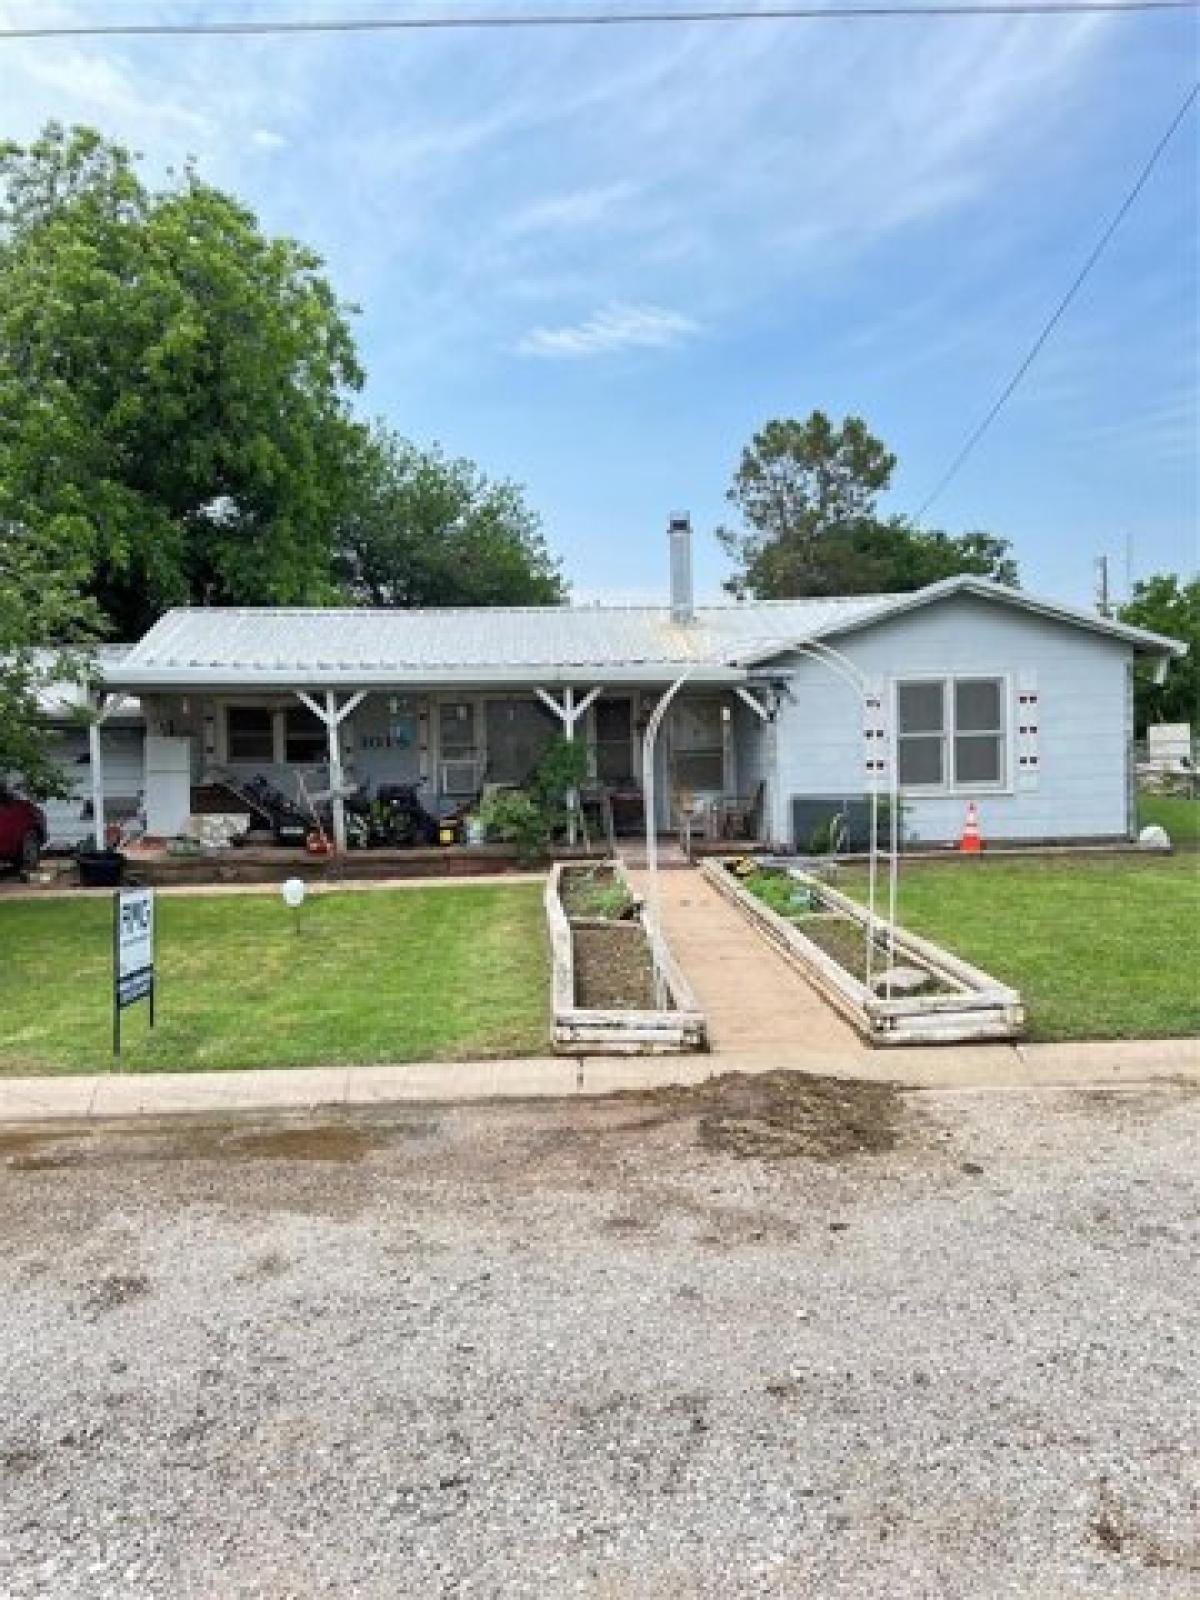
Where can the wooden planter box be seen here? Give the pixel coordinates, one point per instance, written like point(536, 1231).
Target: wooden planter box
point(975, 1005)
point(677, 1027)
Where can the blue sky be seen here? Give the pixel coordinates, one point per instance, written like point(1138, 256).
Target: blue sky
point(597, 261)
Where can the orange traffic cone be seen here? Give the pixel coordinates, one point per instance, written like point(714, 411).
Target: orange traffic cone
point(971, 841)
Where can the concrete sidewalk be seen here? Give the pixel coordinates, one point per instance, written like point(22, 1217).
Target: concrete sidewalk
point(965, 1067)
point(11, 889)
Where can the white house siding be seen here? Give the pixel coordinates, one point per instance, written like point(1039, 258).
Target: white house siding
point(1080, 787)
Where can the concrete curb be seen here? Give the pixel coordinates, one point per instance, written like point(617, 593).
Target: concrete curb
point(122, 1096)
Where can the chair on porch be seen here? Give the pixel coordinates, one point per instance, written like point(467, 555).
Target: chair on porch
point(737, 816)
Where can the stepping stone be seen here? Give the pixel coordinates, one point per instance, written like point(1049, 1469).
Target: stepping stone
point(901, 980)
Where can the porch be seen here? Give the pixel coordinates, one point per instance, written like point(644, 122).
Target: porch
point(321, 752)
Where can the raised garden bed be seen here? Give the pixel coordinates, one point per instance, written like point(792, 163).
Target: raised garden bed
point(931, 997)
point(617, 989)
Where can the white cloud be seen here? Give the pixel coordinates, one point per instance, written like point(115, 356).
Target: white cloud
point(578, 209)
point(267, 139)
point(614, 328)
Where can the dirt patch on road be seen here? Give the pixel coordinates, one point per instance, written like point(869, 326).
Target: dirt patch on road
point(313, 1141)
point(305, 1139)
point(782, 1115)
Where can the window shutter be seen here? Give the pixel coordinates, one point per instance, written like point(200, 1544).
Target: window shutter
point(1028, 731)
point(875, 739)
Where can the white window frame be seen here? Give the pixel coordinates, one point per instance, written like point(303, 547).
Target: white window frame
point(950, 784)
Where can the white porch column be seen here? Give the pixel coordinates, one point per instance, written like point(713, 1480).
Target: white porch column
point(766, 709)
point(337, 803)
point(333, 715)
point(102, 707)
point(568, 711)
point(569, 736)
point(97, 762)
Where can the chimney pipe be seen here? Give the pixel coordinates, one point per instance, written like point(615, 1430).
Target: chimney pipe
point(679, 534)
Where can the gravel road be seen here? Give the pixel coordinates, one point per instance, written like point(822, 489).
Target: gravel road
point(772, 1338)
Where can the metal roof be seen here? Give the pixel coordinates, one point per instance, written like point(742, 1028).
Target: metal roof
point(65, 699)
point(287, 647)
point(281, 645)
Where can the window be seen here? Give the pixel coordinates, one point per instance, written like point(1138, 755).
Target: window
point(249, 733)
point(698, 734)
point(518, 733)
point(456, 729)
point(921, 734)
point(950, 733)
point(978, 731)
point(306, 743)
point(614, 740)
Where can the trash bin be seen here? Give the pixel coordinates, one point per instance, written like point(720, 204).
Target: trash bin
point(101, 869)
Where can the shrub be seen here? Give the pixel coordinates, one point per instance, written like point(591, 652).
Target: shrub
point(514, 816)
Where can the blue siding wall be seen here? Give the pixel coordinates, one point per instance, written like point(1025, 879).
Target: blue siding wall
point(1082, 681)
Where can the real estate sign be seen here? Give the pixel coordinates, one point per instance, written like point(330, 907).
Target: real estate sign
point(133, 954)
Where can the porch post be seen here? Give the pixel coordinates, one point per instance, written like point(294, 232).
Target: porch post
point(568, 713)
point(97, 763)
point(336, 801)
point(569, 735)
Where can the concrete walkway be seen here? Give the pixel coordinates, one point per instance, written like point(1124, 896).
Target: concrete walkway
point(756, 1002)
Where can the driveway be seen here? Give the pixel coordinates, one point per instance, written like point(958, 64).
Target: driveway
point(772, 1337)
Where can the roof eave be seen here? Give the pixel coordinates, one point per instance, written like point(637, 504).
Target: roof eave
point(1142, 640)
point(240, 680)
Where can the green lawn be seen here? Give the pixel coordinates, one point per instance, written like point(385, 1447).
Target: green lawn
point(1100, 949)
point(1178, 815)
point(405, 975)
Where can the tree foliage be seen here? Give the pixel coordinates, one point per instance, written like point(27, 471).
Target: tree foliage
point(40, 605)
point(173, 384)
point(419, 528)
point(1168, 605)
point(175, 390)
point(807, 494)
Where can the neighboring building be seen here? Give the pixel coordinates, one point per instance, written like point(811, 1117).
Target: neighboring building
point(1019, 704)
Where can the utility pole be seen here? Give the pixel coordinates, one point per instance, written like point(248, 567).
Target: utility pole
point(1101, 570)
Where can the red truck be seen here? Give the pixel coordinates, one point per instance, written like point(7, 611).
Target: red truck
point(22, 831)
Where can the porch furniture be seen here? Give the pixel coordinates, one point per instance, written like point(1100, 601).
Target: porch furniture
point(595, 807)
point(628, 811)
point(738, 816)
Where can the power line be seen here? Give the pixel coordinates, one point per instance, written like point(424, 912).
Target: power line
point(1056, 315)
point(586, 19)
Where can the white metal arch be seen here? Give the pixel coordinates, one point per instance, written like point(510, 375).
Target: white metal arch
point(843, 668)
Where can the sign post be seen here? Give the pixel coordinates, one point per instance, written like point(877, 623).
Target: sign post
point(133, 954)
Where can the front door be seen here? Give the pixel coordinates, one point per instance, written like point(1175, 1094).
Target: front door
point(699, 759)
point(615, 762)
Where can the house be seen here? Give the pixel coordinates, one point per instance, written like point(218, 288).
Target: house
point(976, 691)
point(63, 705)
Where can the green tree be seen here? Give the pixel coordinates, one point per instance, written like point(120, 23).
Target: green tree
point(807, 494)
point(419, 528)
point(1169, 605)
point(40, 606)
point(173, 385)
